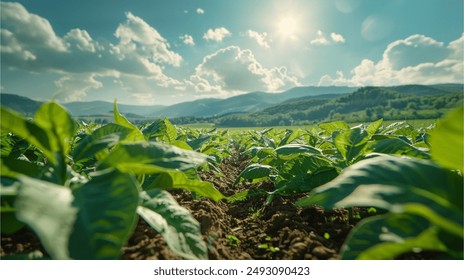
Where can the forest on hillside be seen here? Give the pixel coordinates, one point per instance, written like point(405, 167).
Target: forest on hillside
point(366, 104)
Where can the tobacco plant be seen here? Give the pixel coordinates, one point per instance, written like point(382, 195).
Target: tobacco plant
point(82, 190)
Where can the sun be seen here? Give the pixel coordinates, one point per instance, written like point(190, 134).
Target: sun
point(288, 27)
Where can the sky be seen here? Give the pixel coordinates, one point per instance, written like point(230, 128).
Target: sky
point(164, 52)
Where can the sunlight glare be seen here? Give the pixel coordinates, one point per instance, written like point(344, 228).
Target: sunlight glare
point(288, 27)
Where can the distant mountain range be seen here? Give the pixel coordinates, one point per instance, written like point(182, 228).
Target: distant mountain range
point(250, 102)
point(254, 102)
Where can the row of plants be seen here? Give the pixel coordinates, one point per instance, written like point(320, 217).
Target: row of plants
point(82, 187)
point(412, 176)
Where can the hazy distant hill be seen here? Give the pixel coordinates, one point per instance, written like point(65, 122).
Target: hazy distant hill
point(20, 104)
point(300, 103)
point(249, 102)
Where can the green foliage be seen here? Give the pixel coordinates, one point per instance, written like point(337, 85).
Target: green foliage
point(81, 188)
point(254, 172)
point(32, 132)
point(447, 141)
point(393, 235)
point(49, 183)
point(424, 200)
point(179, 180)
point(107, 215)
point(150, 158)
point(47, 208)
point(179, 229)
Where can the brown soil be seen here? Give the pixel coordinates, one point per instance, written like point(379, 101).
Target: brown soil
point(278, 230)
point(249, 229)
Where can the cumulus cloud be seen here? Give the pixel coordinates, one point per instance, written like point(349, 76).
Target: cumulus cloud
point(337, 38)
point(28, 42)
point(242, 74)
point(416, 59)
point(200, 11)
point(29, 30)
point(187, 39)
point(137, 35)
point(73, 87)
point(323, 40)
point(260, 38)
point(81, 40)
point(217, 34)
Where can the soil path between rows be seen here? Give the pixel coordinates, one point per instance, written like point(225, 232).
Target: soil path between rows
point(250, 229)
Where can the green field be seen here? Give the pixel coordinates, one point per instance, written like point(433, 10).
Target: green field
point(381, 190)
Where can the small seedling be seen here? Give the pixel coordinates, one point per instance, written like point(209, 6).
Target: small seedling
point(233, 240)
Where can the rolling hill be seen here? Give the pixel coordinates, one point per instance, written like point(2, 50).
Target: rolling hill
point(260, 108)
point(365, 104)
point(249, 102)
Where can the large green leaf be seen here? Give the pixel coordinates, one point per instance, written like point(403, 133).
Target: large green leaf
point(254, 171)
point(290, 136)
point(14, 167)
point(198, 142)
point(8, 193)
point(47, 208)
point(374, 127)
point(351, 143)
point(31, 132)
point(102, 138)
point(180, 230)
point(388, 236)
point(136, 134)
point(107, 207)
point(291, 151)
point(332, 127)
point(305, 182)
point(302, 164)
point(161, 130)
point(400, 185)
point(150, 158)
point(58, 123)
point(6, 143)
point(447, 140)
point(396, 146)
point(178, 180)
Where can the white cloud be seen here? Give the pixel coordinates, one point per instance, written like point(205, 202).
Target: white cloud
point(73, 87)
point(322, 39)
point(217, 34)
point(233, 70)
point(82, 40)
point(29, 30)
point(416, 59)
point(260, 38)
point(137, 35)
point(200, 11)
point(187, 39)
point(337, 38)
point(29, 43)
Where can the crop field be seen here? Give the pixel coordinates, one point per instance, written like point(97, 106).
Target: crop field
point(74, 190)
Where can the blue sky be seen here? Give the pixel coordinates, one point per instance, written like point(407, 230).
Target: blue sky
point(166, 52)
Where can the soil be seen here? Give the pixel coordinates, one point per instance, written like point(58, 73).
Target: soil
point(248, 229)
